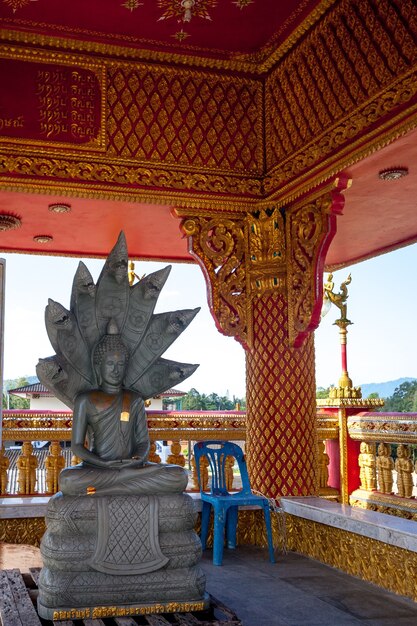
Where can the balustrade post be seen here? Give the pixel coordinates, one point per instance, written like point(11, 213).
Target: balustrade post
point(367, 466)
point(54, 464)
point(176, 457)
point(404, 468)
point(4, 466)
point(385, 467)
point(153, 456)
point(26, 465)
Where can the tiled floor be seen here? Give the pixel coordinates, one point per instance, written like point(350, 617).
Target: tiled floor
point(297, 591)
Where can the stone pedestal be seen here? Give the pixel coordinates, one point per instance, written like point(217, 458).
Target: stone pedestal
point(120, 555)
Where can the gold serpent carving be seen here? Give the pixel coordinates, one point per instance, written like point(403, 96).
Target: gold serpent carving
point(310, 227)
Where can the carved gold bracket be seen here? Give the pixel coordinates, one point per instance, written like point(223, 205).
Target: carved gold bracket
point(245, 256)
point(218, 243)
point(310, 228)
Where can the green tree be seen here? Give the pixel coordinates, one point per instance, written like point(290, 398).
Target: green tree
point(195, 401)
point(14, 401)
point(404, 398)
point(322, 392)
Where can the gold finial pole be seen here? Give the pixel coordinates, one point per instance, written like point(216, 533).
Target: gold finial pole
point(339, 300)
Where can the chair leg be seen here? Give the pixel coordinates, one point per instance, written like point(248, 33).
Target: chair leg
point(205, 520)
point(232, 514)
point(218, 536)
point(267, 517)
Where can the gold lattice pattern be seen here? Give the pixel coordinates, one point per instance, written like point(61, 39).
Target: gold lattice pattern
point(281, 435)
point(185, 117)
point(358, 49)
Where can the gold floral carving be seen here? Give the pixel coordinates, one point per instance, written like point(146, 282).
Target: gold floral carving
point(383, 427)
point(266, 259)
point(354, 67)
point(218, 243)
point(245, 257)
point(310, 226)
point(355, 554)
point(119, 180)
point(26, 530)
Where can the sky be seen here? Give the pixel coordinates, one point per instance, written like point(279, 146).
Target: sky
point(382, 304)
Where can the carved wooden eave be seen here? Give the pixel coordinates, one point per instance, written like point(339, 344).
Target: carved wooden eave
point(231, 136)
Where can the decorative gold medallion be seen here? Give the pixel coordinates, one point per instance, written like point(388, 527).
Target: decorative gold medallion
point(124, 416)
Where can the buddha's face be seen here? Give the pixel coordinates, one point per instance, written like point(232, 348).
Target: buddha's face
point(113, 367)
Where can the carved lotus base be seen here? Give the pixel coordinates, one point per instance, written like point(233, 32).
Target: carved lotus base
point(130, 553)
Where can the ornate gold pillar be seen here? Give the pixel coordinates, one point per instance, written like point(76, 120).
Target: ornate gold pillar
point(264, 272)
point(281, 408)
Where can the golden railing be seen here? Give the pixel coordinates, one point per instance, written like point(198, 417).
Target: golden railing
point(32, 472)
point(387, 485)
point(36, 473)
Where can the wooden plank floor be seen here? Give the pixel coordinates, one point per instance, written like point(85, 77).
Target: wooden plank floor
point(18, 593)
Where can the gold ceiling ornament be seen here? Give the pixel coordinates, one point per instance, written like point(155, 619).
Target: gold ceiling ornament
point(17, 4)
point(132, 4)
point(180, 35)
point(241, 4)
point(185, 10)
point(9, 221)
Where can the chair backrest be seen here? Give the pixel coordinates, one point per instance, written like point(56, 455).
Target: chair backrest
point(217, 453)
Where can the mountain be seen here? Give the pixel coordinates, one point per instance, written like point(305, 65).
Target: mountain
point(384, 390)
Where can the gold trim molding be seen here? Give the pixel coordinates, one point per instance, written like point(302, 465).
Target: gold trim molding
point(384, 503)
point(254, 63)
point(383, 427)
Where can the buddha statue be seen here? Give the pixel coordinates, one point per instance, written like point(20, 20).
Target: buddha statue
point(112, 419)
point(120, 532)
point(107, 364)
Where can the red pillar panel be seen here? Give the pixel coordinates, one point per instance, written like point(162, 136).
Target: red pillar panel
point(281, 405)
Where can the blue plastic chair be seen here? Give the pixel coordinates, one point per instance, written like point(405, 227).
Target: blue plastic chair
point(225, 505)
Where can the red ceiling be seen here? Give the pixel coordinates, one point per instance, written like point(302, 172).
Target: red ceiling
point(233, 27)
point(91, 227)
point(379, 216)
